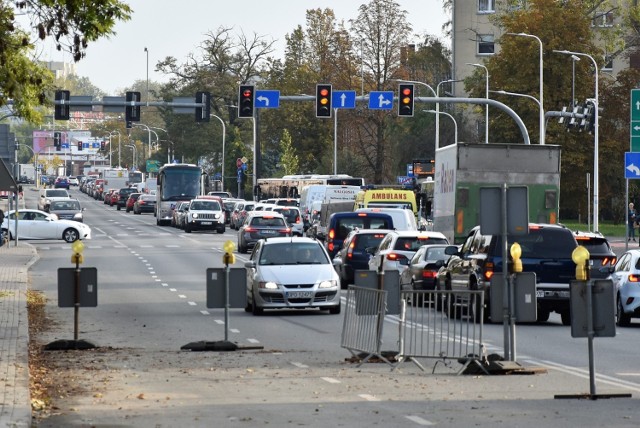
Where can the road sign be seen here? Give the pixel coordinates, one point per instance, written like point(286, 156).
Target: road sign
point(631, 165)
point(267, 99)
point(634, 123)
point(381, 100)
point(343, 99)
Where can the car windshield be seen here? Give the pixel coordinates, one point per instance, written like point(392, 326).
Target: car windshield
point(205, 205)
point(436, 253)
point(288, 253)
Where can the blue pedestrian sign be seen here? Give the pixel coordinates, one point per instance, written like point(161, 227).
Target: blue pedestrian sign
point(632, 165)
point(343, 99)
point(267, 99)
point(381, 100)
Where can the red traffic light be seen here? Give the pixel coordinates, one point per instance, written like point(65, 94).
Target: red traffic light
point(405, 96)
point(323, 100)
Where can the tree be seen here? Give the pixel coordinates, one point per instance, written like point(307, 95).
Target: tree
point(289, 159)
point(73, 24)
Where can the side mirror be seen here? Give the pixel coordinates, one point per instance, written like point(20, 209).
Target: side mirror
point(250, 264)
point(451, 250)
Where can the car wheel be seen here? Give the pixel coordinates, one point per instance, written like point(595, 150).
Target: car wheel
point(70, 235)
point(242, 248)
point(187, 228)
point(119, 207)
point(335, 310)
point(138, 212)
point(622, 319)
point(127, 210)
point(255, 310)
point(543, 315)
point(565, 316)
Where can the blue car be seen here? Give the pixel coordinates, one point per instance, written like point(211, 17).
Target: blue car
point(353, 255)
point(61, 183)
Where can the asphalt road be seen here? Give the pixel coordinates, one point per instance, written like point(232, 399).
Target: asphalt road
point(152, 300)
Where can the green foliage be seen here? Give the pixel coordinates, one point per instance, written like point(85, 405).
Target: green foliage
point(289, 159)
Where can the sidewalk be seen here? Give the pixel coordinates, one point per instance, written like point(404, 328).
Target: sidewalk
point(15, 409)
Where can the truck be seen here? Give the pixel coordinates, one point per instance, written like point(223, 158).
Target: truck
point(115, 178)
point(462, 169)
point(27, 173)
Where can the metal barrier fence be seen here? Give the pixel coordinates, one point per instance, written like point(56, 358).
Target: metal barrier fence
point(363, 322)
point(441, 325)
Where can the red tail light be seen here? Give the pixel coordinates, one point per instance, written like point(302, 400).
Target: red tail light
point(250, 229)
point(429, 274)
point(488, 271)
point(332, 234)
point(634, 278)
point(331, 246)
point(609, 261)
point(395, 257)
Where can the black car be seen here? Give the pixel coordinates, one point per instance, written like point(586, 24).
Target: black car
point(600, 253)
point(144, 204)
point(546, 251)
point(123, 195)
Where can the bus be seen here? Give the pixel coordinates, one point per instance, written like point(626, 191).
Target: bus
point(135, 177)
point(177, 182)
point(290, 186)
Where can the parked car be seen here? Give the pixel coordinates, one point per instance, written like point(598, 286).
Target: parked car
point(626, 281)
point(291, 273)
point(259, 225)
point(546, 251)
point(601, 254)
point(399, 246)
point(353, 255)
point(110, 197)
point(36, 224)
point(133, 197)
point(144, 204)
point(204, 214)
point(67, 210)
point(179, 213)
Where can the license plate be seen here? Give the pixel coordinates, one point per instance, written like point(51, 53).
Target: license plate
point(268, 232)
point(539, 293)
point(298, 294)
point(206, 223)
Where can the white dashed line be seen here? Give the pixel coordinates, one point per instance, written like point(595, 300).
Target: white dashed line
point(419, 420)
point(164, 284)
point(220, 322)
point(253, 341)
point(173, 289)
point(234, 330)
point(368, 397)
point(157, 280)
point(204, 312)
point(299, 365)
point(182, 296)
point(330, 380)
point(192, 303)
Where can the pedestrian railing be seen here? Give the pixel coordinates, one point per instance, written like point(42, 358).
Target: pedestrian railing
point(441, 325)
point(363, 323)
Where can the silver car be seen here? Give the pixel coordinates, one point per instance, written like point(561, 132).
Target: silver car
point(291, 273)
point(67, 210)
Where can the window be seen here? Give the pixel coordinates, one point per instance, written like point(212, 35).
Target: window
point(602, 19)
point(608, 65)
point(486, 6)
point(486, 44)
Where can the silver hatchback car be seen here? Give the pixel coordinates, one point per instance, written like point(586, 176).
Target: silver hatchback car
point(291, 273)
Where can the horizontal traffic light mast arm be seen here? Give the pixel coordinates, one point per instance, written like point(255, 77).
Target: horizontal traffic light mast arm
point(123, 104)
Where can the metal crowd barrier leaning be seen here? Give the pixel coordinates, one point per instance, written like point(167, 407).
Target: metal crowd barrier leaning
point(363, 322)
point(442, 325)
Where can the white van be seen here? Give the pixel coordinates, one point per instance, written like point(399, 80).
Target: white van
point(403, 219)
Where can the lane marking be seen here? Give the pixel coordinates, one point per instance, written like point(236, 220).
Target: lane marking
point(182, 296)
point(192, 303)
point(330, 380)
point(253, 340)
point(419, 420)
point(219, 322)
point(173, 289)
point(368, 397)
point(234, 330)
point(300, 365)
point(204, 312)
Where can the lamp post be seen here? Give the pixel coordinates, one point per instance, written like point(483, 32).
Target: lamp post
point(541, 81)
point(486, 119)
point(133, 148)
point(110, 134)
point(224, 133)
point(531, 97)
point(595, 135)
point(573, 80)
point(438, 111)
point(455, 123)
point(147, 52)
point(169, 146)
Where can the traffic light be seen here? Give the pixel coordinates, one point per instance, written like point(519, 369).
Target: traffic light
point(102, 145)
point(57, 140)
point(131, 110)
point(323, 100)
point(246, 101)
point(79, 146)
point(405, 98)
point(61, 111)
point(203, 114)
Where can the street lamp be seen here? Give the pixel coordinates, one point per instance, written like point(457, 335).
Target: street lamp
point(149, 131)
point(531, 97)
point(147, 52)
point(135, 152)
point(541, 82)
point(438, 110)
point(110, 134)
point(224, 133)
point(573, 80)
point(486, 119)
point(595, 135)
point(455, 123)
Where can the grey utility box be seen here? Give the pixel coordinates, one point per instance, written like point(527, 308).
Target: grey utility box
point(88, 287)
point(603, 307)
point(216, 288)
point(391, 284)
point(526, 305)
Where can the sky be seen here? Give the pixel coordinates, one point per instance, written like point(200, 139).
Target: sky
point(176, 28)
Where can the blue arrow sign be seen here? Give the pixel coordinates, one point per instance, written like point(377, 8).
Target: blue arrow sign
point(343, 99)
point(381, 100)
point(267, 99)
point(632, 165)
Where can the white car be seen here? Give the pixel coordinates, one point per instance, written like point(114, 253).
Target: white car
point(398, 248)
point(291, 273)
point(49, 195)
point(625, 276)
point(36, 224)
point(293, 217)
